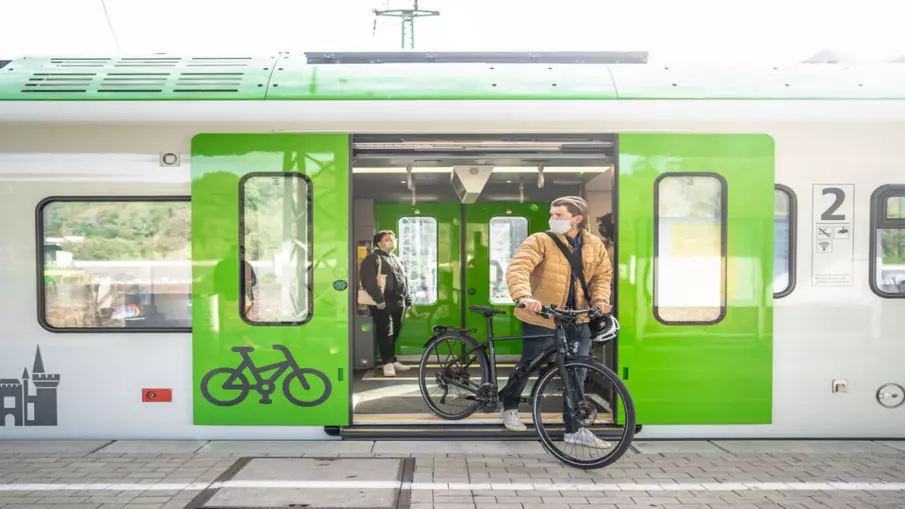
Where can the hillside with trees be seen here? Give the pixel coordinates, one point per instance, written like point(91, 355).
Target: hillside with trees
point(95, 231)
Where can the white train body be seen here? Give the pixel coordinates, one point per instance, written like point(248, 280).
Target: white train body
point(834, 347)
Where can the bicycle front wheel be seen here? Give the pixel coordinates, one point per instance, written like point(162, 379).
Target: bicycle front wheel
point(315, 387)
point(592, 427)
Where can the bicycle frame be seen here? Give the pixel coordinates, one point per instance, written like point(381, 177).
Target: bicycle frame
point(256, 371)
point(559, 345)
point(560, 348)
point(535, 363)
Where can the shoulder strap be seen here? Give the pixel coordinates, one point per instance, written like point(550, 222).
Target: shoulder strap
point(576, 271)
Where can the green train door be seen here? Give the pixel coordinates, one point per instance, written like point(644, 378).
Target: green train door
point(270, 252)
point(493, 232)
point(428, 240)
point(695, 247)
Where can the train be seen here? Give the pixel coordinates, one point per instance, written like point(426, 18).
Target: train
point(182, 237)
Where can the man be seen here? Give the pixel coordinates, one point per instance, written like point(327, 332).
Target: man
point(539, 274)
point(391, 303)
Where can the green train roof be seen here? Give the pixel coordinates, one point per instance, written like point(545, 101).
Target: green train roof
point(302, 78)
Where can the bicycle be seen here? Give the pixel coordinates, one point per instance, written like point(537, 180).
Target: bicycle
point(264, 386)
point(559, 358)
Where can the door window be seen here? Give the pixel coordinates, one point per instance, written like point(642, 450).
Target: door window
point(506, 235)
point(690, 249)
point(418, 253)
point(275, 263)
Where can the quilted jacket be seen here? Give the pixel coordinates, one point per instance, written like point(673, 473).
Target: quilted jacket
point(540, 271)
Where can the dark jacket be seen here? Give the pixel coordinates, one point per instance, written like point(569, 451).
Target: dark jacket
point(398, 289)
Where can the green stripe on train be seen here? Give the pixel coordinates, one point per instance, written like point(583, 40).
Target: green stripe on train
point(290, 77)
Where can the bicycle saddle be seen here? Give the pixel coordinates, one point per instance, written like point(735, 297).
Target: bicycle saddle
point(486, 311)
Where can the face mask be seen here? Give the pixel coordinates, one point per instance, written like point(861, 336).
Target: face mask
point(560, 226)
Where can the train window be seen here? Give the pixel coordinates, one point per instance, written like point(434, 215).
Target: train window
point(895, 207)
point(114, 264)
point(690, 248)
point(888, 241)
point(275, 256)
point(418, 251)
point(506, 235)
point(784, 217)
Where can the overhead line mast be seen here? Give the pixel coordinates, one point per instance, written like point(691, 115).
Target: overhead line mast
point(408, 21)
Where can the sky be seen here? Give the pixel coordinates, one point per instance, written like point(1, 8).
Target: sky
point(767, 32)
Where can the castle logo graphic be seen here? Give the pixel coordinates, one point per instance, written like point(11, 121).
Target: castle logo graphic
point(27, 409)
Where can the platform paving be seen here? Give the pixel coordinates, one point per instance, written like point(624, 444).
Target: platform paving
point(447, 475)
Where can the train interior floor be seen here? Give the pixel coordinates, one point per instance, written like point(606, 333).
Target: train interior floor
point(397, 400)
point(378, 399)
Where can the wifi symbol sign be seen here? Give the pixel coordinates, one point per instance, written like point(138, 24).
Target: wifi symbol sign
point(824, 246)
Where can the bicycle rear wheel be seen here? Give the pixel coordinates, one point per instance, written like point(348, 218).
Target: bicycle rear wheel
point(449, 386)
point(595, 437)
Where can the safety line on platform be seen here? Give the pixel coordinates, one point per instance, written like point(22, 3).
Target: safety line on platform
point(434, 486)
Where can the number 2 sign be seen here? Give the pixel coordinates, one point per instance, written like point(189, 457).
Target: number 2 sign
point(838, 199)
point(833, 251)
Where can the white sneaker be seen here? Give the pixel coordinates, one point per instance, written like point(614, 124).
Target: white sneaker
point(512, 421)
point(398, 366)
point(584, 437)
point(388, 370)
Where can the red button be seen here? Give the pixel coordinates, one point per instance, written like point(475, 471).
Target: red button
point(156, 395)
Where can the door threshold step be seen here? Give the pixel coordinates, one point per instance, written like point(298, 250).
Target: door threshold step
point(425, 419)
point(416, 432)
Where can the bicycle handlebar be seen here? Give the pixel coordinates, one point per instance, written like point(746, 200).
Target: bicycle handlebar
point(552, 310)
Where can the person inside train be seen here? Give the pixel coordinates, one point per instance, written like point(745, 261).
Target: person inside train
point(540, 274)
point(606, 230)
point(387, 292)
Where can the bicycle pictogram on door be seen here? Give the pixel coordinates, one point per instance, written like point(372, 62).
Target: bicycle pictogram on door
point(236, 387)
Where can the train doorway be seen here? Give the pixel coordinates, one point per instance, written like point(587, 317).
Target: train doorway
point(694, 232)
point(459, 205)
